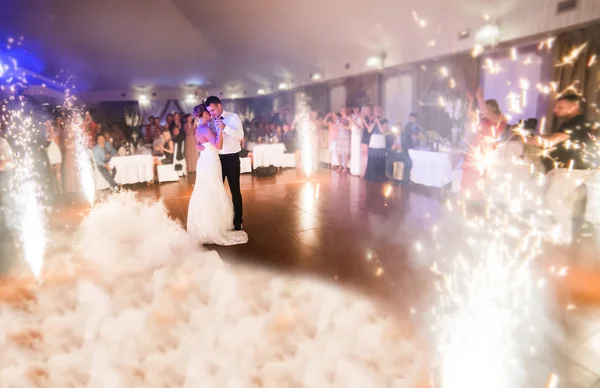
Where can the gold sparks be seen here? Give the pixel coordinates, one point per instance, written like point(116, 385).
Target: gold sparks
point(444, 72)
point(388, 191)
point(379, 271)
point(441, 101)
point(570, 58)
point(452, 83)
point(477, 50)
point(546, 43)
point(592, 60)
point(492, 67)
point(513, 54)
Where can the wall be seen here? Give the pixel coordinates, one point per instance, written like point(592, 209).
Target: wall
point(398, 97)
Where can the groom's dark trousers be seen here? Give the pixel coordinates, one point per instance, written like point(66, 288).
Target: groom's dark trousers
point(230, 166)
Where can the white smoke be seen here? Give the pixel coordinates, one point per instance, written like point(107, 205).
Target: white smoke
point(136, 303)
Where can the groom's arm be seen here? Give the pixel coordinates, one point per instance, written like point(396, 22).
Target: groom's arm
point(234, 128)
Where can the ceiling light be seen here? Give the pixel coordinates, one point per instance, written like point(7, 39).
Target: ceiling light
point(316, 77)
point(234, 95)
point(261, 92)
point(488, 34)
point(191, 97)
point(374, 62)
point(45, 103)
point(143, 97)
point(283, 86)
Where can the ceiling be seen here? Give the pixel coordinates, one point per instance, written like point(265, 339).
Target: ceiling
point(234, 46)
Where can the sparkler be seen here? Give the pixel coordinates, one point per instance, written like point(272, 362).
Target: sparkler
point(83, 158)
point(306, 133)
point(26, 193)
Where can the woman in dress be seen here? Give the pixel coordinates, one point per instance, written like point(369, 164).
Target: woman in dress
point(91, 129)
point(54, 157)
point(491, 128)
point(342, 141)
point(330, 122)
point(210, 212)
point(178, 135)
point(70, 171)
point(376, 157)
point(191, 154)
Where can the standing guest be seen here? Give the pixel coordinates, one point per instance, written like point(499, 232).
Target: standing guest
point(168, 121)
point(289, 138)
point(342, 140)
point(178, 135)
point(573, 153)
point(191, 154)
point(492, 124)
point(90, 128)
point(330, 121)
point(366, 113)
point(103, 153)
point(70, 171)
point(355, 141)
point(54, 157)
point(376, 156)
point(149, 130)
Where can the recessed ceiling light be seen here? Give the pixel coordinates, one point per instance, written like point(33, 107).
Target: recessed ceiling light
point(143, 97)
point(191, 97)
point(283, 86)
point(234, 95)
point(374, 61)
point(316, 76)
point(261, 92)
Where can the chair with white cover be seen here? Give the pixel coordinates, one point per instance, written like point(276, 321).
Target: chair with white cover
point(100, 182)
point(245, 165)
point(167, 173)
point(183, 169)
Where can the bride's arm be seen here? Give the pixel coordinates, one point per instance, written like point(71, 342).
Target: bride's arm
point(215, 139)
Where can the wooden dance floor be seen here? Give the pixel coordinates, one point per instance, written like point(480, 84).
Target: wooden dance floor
point(335, 226)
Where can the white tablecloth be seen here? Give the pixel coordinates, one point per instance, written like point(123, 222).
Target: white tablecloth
point(265, 155)
point(133, 169)
point(433, 169)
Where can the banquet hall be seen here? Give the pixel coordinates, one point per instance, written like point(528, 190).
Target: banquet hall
point(420, 191)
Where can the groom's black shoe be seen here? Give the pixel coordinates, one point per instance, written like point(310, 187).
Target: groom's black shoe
point(238, 227)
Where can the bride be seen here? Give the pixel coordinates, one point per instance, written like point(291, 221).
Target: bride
point(210, 211)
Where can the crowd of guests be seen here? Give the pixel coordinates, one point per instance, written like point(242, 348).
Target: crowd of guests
point(380, 145)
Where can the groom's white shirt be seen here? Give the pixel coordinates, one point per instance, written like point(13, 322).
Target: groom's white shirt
point(234, 133)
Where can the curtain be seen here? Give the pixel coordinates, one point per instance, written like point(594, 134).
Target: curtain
point(448, 79)
point(581, 74)
point(362, 90)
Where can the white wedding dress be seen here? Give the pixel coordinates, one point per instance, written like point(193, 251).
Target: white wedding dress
point(210, 212)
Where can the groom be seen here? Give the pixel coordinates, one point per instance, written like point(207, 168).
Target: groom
point(233, 133)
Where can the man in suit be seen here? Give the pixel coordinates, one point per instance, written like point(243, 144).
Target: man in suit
point(233, 133)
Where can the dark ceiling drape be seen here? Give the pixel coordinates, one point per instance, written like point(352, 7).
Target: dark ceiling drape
point(430, 84)
point(580, 75)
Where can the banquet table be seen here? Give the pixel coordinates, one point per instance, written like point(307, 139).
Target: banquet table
point(133, 169)
point(265, 155)
point(434, 168)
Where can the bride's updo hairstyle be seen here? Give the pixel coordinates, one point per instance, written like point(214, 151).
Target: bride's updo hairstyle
point(198, 110)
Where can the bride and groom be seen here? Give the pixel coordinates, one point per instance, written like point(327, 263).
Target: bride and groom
point(211, 214)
